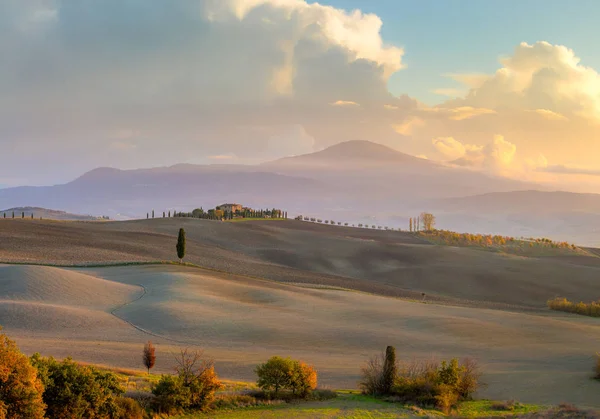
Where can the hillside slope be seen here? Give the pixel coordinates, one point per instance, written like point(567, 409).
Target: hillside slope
point(381, 262)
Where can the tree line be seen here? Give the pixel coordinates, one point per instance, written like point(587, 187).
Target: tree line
point(218, 214)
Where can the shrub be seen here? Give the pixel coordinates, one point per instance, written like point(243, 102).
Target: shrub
point(508, 405)
point(433, 384)
point(425, 383)
point(20, 387)
point(194, 386)
point(128, 408)
point(372, 377)
point(76, 391)
point(321, 394)
point(286, 374)
point(170, 395)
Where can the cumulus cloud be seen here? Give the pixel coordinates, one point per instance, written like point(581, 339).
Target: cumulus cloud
point(449, 147)
point(409, 125)
point(191, 75)
point(495, 156)
point(539, 76)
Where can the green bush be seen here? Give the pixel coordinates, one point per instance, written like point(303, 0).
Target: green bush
point(20, 387)
point(127, 408)
point(171, 396)
point(76, 391)
point(286, 374)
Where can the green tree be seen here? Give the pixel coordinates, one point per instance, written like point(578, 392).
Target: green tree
point(181, 245)
point(274, 374)
point(390, 369)
point(20, 387)
point(76, 391)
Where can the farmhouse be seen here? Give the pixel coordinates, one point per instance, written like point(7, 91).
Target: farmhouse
point(232, 208)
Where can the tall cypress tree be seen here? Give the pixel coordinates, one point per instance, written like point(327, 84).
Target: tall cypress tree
point(389, 369)
point(152, 213)
point(181, 245)
point(23, 214)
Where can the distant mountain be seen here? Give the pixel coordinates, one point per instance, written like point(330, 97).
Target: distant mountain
point(133, 193)
point(362, 153)
point(46, 214)
point(352, 181)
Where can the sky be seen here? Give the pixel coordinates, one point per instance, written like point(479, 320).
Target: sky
point(507, 87)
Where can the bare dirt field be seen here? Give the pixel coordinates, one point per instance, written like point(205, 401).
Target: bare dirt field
point(486, 305)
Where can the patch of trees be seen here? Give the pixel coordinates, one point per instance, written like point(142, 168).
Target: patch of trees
point(285, 374)
point(584, 309)
point(218, 214)
point(494, 241)
point(442, 385)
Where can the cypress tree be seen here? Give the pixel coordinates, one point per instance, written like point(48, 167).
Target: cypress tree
point(169, 214)
point(164, 214)
point(32, 215)
point(389, 369)
point(23, 214)
point(147, 216)
point(181, 245)
point(13, 215)
point(4, 215)
point(152, 213)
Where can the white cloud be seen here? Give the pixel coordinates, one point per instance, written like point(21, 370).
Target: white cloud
point(408, 126)
point(539, 76)
point(552, 116)
point(344, 103)
point(449, 147)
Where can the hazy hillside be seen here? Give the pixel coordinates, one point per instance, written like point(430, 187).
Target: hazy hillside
point(355, 181)
point(46, 214)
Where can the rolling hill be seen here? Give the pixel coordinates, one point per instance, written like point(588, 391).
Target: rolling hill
point(319, 293)
point(45, 213)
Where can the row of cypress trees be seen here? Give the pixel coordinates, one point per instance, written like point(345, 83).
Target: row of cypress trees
point(22, 215)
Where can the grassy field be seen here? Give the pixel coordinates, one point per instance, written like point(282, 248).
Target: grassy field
point(357, 406)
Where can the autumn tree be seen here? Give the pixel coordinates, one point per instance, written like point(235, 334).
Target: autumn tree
point(410, 224)
point(428, 221)
point(149, 357)
point(20, 387)
point(181, 245)
point(303, 378)
point(194, 386)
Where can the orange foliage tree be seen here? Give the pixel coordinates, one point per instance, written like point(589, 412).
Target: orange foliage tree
point(20, 388)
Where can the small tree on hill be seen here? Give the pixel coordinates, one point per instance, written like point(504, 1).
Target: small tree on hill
point(181, 245)
point(427, 221)
point(149, 357)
